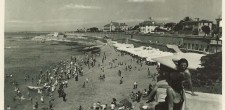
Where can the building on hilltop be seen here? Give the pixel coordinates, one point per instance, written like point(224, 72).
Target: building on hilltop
point(123, 27)
point(150, 26)
point(147, 27)
point(197, 27)
point(115, 27)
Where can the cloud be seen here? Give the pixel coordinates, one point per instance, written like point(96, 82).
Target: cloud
point(146, 1)
point(17, 21)
point(42, 21)
point(79, 6)
point(130, 20)
point(52, 22)
point(163, 19)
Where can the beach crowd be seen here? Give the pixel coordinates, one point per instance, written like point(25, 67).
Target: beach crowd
point(56, 78)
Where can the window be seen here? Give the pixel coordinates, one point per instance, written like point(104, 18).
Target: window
point(185, 45)
point(196, 47)
point(193, 46)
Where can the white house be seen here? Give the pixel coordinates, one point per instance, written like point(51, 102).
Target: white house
point(115, 26)
point(147, 27)
point(56, 34)
point(123, 27)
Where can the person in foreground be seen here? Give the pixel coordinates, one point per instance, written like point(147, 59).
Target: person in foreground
point(168, 75)
point(175, 99)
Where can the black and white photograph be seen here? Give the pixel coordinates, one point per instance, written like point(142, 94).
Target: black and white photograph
point(112, 55)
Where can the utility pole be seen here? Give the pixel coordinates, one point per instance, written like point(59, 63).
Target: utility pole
point(217, 29)
point(111, 27)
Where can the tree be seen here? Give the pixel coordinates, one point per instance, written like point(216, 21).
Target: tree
point(136, 27)
point(206, 30)
point(212, 68)
point(178, 27)
point(209, 77)
point(169, 26)
point(94, 29)
point(186, 19)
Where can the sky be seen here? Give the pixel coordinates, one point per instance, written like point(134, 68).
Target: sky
point(69, 15)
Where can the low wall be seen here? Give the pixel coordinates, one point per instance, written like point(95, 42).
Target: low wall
point(157, 41)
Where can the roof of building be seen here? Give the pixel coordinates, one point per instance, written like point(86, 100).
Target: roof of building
point(116, 24)
point(150, 23)
point(123, 24)
point(160, 24)
point(174, 47)
point(147, 23)
point(107, 25)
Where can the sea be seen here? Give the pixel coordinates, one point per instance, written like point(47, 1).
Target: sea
point(24, 56)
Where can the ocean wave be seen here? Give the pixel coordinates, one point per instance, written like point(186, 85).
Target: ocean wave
point(9, 47)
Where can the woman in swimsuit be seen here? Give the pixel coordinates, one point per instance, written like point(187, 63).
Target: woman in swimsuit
point(173, 81)
point(175, 92)
point(167, 74)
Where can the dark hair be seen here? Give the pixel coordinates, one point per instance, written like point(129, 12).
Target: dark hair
point(182, 60)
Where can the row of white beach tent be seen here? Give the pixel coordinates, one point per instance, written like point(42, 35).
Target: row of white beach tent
point(144, 52)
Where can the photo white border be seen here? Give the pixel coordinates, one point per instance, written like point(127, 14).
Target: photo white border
point(2, 10)
point(2, 13)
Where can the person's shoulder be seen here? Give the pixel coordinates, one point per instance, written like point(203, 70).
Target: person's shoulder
point(169, 89)
point(187, 71)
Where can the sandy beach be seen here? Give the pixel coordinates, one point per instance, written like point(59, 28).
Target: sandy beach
point(103, 91)
point(98, 90)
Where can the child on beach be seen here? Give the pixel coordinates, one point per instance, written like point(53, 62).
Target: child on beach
point(121, 80)
point(87, 80)
point(135, 85)
point(36, 105)
point(84, 85)
point(119, 73)
point(112, 106)
point(42, 98)
point(80, 108)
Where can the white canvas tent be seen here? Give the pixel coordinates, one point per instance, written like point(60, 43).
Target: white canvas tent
point(143, 52)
